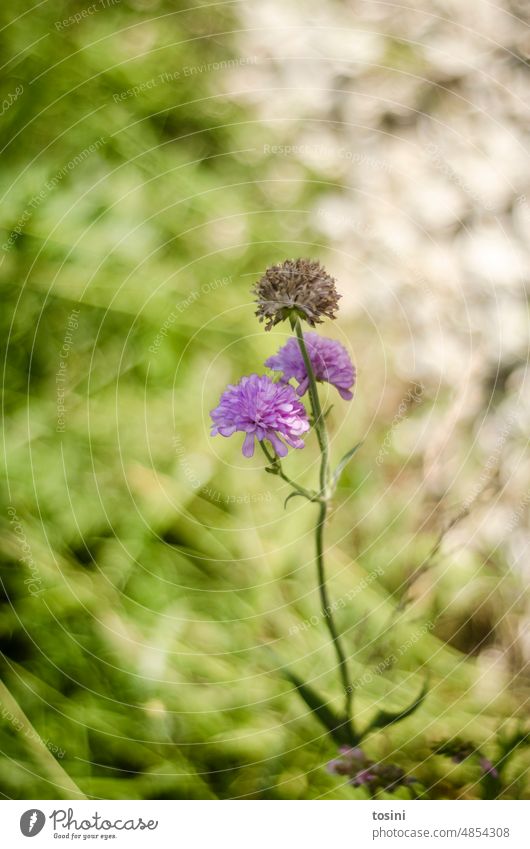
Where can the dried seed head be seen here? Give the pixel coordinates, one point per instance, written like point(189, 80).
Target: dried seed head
point(296, 288)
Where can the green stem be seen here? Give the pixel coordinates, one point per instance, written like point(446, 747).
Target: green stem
point(322, 436)
point(318, 418)
point(326, 610)
point(276, 469)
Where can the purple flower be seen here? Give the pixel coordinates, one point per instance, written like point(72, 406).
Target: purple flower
point(363, 777)
point(329, 359)
point(362, 771)
point(350, 760)
point(338, 767)
point(261, 409)
point(488, 768)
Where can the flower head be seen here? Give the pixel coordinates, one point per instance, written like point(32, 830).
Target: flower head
point(329, 359)
point(349, 762)
point(488, 768)
point(460, 750)
point(263, 410)
point(352, 762)
point(299, 287)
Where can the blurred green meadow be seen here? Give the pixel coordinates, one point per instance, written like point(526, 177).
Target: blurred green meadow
point(153, 585)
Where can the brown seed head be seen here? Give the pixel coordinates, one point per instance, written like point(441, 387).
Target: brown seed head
point(297, 287)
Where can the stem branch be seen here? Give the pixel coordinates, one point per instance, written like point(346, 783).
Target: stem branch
point(276, 469)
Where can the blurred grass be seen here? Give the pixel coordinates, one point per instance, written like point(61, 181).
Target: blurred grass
point(142, 658)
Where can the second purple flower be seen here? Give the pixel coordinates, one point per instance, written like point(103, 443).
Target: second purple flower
point(330, 360)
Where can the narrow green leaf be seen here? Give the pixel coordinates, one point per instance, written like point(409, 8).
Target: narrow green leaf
point(344, 461)
point(293, 495)
point(385, 717)
point(338, 727)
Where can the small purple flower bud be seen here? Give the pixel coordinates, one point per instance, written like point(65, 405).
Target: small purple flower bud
point(488, 768)
point(362, 777)
point(338, 766)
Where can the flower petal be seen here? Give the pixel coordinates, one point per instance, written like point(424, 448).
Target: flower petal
point(248, 445)
point(277, 444)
